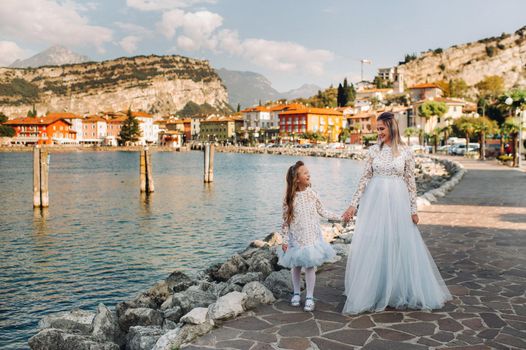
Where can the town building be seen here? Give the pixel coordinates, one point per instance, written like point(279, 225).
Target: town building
point(45, 130)
point(325, 121)
point(424, 91)
point(217, 129)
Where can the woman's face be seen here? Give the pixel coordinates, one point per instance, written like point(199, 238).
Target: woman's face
point(303, 177)
point(383, 132)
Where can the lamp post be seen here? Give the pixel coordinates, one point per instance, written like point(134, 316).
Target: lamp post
point(509, 102)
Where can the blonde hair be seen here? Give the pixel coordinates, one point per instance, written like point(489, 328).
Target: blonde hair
point(390, 121)
point(292, 188)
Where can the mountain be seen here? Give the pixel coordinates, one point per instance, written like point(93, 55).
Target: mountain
point(54, 56)
point(155, 84)
point(248, 88)
point(504, 56)
point(306, 90)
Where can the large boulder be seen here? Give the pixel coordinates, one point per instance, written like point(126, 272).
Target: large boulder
point(143, 338)
point(244, 278)
point(280, 283)
point(76, 321)
point(58, 339)
point(105, 326)
point(175, 338)
point(257, 294)
point(173, 314)
point(179, 281)
point(196, 316)
point(236, 264)
point(228, 306)
point(191, 298)
point(140, 317)
point(264, 261)
point(223, 288)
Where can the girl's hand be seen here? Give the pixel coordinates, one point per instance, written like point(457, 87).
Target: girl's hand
point(284, 246)
point(349, 214)
point(415, 219)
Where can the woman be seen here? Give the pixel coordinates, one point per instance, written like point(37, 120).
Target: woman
point(389, 264)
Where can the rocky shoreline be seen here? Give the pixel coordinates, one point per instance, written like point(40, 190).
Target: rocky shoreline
point(88, 148)
point(180, 308)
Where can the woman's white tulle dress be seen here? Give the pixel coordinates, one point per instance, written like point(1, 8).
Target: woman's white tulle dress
point(389, 263)
point(306, 246)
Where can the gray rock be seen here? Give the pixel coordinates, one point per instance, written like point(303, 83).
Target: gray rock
point(225, 288)
point(274, 239)
point(196, 316)
point(227, 306)
point(140, 317)
point(242, 279)
point(257, 294)
point(173, 314)
point(76, 320)
point(191, 298)
point(58, 339)
point(175, 338)
point(167, 303)
point(169, 325)
point(179, 281)
point(105, 327)
point(259, 244)
point(236, 264)
point(143, 338)
point(279, 283)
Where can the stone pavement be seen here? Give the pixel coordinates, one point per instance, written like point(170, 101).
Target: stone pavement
point(477, 236)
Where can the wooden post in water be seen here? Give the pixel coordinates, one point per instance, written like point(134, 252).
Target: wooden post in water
point(207, 162)
point(40, 178)
point(149, 174)
point(211, 164)
point(145, 165)
point(44, 172)
point(36, 177)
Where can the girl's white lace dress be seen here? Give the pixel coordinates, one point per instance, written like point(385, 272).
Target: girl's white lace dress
point(307, 248)
point(389, 263)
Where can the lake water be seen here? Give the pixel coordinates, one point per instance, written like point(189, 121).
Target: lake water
point(102, 241)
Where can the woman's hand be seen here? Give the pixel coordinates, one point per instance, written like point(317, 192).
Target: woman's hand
point(284, 246)
point(349, 214)
point(415, 218)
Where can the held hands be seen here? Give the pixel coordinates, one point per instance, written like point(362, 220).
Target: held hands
point(349, 214)
point(284, 246)
point(415, 218)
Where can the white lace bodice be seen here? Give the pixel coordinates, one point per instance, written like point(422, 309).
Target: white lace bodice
point(383, 163)
point(304, 228)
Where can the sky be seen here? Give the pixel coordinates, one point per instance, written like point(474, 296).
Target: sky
point(291, 42)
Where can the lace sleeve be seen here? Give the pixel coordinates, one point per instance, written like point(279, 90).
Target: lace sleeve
point(409, 178)
point(366, 176)
point(322, 211)
point(284, 225)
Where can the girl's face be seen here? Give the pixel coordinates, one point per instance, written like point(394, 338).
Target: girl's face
point(383, 132)
point(303, 177)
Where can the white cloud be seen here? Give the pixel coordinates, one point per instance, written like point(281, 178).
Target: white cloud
point(133, 29)
point(196, 27)
point(10, 53)
point(157, 5)
point(193, 31)
point(51, 22)
point(129, 43)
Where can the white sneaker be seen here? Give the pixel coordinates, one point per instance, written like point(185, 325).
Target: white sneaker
point(295, 301)
point(309, 305)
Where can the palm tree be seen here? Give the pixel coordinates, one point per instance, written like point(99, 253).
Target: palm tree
point(484, 126)
point(436, 133)
point(512, 128)
point(466, 125)
point(410, 131)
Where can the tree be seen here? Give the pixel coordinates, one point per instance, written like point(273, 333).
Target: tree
point(238, 108)
point(512, 127)
point(344, 135)
point(32, 112)
point(345, 91)
point(130, 131)
point(430, 109)
point(491, 86)
point(483, 127)
point(5, 130)
point(436, 137)
point(466, 125)
point(409, 132)
point(340, 97)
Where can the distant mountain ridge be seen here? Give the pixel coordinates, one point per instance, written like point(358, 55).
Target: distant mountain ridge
point(249, 88)
point(54, 56)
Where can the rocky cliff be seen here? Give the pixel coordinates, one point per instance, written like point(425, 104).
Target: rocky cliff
point(155, 84)
point(504, 56)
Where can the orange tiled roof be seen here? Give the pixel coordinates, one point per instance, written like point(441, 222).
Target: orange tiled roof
point(425, 86)
point(46, 120)
point(375, 90)
point(288, 106)
point(217, 120)
point(363, 115)
point(304, 110)
point(256, 109)
point(65, 115)
point(117, 120)
point(449, 100)
point(93, 119)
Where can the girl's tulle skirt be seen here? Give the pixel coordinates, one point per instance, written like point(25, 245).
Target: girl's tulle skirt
point(306, 256)
point(389, 263)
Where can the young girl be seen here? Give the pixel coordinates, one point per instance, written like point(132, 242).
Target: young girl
point(303, 241)
point(389, 264)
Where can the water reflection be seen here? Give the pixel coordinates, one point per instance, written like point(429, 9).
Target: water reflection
point(102, 241)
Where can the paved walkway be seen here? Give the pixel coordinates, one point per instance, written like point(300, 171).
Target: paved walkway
point(477, 235)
